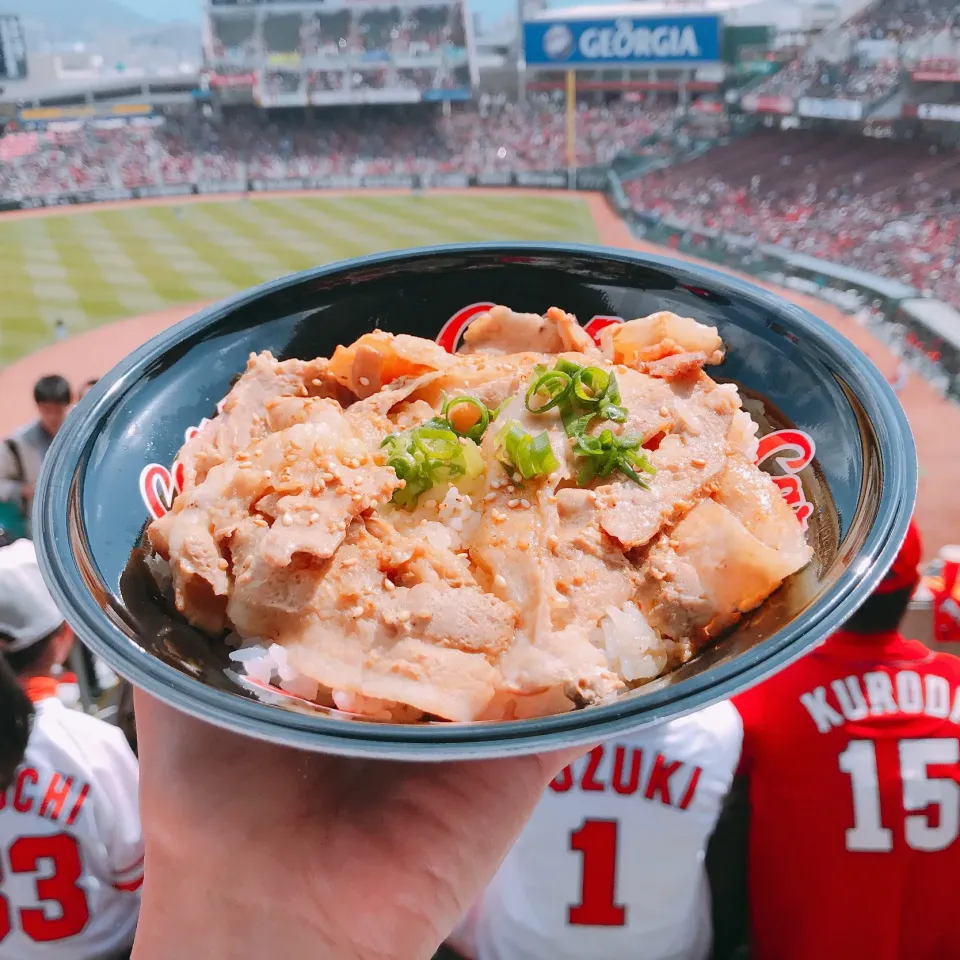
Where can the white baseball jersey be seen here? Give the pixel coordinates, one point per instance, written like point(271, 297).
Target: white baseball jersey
point(611, 865)
point(71, 850)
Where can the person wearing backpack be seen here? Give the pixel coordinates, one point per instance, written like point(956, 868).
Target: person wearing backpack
point(21, 455)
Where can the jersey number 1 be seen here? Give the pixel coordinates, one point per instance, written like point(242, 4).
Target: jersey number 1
point(922, 828)
point(596, 841)
point(59, 888)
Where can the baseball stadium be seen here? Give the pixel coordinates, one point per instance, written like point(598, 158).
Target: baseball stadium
point(154, 168)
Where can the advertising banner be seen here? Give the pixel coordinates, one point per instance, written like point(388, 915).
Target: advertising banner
point(767, 103)
point(536, 179)
point(938, 111)
point(626, 41)
point(830, 109)
point(221, 80)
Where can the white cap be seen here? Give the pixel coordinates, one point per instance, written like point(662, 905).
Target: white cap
point(27, 611)
point(950, 553)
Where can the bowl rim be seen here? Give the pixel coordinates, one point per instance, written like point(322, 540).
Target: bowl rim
point(58, 521)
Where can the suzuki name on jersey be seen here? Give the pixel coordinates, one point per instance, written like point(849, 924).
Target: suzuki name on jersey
point(621, 769)
point(878, 694)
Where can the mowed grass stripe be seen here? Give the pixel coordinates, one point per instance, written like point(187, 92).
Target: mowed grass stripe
point(235, 272)
point(96, 294)
point(19, 307)
point(321, 216)
point(396, 226)
point(428, 213)
point(168, 283)
point(276, 242)
point(519, 220)
point(359, 231)
point(291, 234)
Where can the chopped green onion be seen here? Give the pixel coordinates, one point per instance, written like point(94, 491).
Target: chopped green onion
point(476, 431)
point(607, 452)
point(428, 455)
point(590, 384)
point(568, 367)
point(435, 442)
point(554, 384)
point(531, 456)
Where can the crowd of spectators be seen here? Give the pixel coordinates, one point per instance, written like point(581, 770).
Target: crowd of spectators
point(495, 136)
point(904, 20)
point(894, 212)
point(850, 79)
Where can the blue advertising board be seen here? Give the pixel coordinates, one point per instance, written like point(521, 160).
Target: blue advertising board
point(626, 41)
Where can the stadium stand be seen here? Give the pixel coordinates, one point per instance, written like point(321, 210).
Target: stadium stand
point(505, 137)
point(892, 212)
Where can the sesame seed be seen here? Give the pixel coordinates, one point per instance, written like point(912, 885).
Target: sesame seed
point(523, 545)
point(314, 517)
point(517, 478)
point(287, 519)
point(357, 611)
point(430, 504)
point(403, 616)
point(245, 465)
point(511, 488)
point(553, 541)
point(525, 504)
point(498, 517)
point(316, 383)
point(489, 497)
point(364, 382)
point(389, 585)
point(268, 474)
point(664, 412)
point(498, 581)
point(222, 564)
point(350, 562)
point(513, 504)
point(698, 462)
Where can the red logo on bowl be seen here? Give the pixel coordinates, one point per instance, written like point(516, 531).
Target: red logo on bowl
point(801, 450)
point(159, 484)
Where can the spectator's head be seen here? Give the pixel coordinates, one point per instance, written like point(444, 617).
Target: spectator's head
point(53, 397)
point(33, 639)
point(887, 605)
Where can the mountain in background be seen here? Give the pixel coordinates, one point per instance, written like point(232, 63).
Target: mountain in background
point(58, 22)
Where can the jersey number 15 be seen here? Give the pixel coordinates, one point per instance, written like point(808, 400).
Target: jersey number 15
point(931, 804)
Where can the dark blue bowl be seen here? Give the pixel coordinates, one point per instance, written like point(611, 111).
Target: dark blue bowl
point(91, 514)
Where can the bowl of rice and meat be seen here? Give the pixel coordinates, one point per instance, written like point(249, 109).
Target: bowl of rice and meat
point(474, 500)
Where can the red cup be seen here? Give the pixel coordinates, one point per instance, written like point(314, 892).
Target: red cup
point(946, 600)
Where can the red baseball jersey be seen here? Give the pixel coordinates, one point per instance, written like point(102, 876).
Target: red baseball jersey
point(853, 755)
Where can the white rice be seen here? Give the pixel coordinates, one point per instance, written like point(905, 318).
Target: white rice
point(632, 646)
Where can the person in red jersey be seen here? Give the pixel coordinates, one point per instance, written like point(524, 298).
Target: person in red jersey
point(852, 760)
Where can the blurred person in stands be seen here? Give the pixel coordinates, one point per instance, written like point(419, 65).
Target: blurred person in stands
point(852, 763)
point(611, 864)
point(21, 455)
point(71, 847)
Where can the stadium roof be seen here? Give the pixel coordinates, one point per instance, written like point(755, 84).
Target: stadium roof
point(937, 316)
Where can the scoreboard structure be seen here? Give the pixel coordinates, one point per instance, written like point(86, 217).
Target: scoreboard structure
point(13, 49)
point(299, 53)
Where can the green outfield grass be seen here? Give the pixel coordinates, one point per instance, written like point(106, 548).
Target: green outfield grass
point(98, 266)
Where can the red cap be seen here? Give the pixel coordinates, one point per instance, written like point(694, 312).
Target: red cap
point(905, 571)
